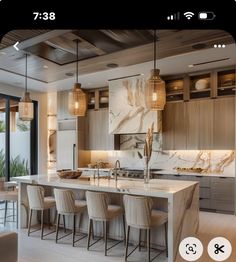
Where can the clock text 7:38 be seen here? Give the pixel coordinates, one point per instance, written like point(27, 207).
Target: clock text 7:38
point(44, 16)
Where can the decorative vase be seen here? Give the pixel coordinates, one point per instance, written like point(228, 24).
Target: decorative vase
point(146, 171)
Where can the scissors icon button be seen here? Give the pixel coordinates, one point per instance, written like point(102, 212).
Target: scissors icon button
point(219, 249)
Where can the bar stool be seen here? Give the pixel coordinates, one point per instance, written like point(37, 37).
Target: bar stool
point(10, 196)
point(139, 214)
point(100, 210)
point(37, 202)
point(67, 205)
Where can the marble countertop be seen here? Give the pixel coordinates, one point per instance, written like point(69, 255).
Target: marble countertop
point(156, 187)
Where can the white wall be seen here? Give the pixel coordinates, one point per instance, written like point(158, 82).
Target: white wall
point(42, 121)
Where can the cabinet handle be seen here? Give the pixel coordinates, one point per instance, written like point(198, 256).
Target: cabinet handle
point(177, 175)
point(222, 177)
point(198, 176)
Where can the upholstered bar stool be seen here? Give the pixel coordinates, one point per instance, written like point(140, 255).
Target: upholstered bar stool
point(67, 205)
point(100, 210)
point(37, 202)
point(139, 214)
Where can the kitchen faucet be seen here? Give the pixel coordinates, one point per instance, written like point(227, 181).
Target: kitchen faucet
point(117, 165)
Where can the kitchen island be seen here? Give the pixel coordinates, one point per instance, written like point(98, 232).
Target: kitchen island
point(179, 198)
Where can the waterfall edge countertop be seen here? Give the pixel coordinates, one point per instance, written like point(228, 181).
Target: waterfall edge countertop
point(156, 187)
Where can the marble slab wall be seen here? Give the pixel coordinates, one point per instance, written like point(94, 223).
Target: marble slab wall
point(213, 161)
point(128, 112)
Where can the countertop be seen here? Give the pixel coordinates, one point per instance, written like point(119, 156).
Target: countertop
point(163, 172)
point(156, 187)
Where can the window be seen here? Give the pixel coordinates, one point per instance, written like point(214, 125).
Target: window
point(18, 140)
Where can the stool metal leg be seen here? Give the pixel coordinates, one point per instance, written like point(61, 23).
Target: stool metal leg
point(124, 229)
point(92, 229)
point(17, 216)
point(127, 242)
point(105, 223)
point(13, 209)
point(29, 224)
point(42, 212)
point(49, 219)
point(139, 239)
point(89, 233)
point(57, 226)
point(74, 220)
point(64, 223)
point(5, 215)
point(166, 238)
point(148, 244)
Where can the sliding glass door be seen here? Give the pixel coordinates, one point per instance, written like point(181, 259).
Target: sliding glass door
point(2, 140)
point(18, 140)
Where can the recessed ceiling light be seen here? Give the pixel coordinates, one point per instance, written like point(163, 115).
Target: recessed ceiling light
point(190, 66)
point(142, 74)
point(2, 53)
point(45, 67)
point(112, 65)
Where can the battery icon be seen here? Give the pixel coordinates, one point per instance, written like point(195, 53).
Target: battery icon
point(208, 15)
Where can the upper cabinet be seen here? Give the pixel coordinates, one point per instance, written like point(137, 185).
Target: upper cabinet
point(128, 112)
point(199, 124)
point(204, 124)
point(174, 127)
point(224, 123)
point(62, 106)
point(97, 135)
point(98, 98)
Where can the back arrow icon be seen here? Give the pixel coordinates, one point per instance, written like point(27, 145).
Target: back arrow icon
point(15, 46)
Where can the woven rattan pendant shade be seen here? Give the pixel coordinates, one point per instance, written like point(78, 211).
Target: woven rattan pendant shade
point(77, 97)
point(26, 106)
point(77, 101)
point(156, 91)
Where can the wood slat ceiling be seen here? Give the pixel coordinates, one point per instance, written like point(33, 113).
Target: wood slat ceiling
point(53, 52)
point(19, 35)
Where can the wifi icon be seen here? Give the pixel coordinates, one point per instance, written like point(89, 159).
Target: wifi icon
point(188, 15)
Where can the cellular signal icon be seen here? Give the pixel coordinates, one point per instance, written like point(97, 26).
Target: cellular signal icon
point(174, 16)
point(188, 15)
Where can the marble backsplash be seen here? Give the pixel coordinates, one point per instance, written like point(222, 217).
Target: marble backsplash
point(215, 161)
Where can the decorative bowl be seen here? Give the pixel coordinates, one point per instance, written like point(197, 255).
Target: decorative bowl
point(201, 84)
point(69, 174)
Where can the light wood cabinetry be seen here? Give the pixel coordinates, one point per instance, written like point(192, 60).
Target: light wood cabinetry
point(98, 137)
point(215, 193)
point(199, 124)
point(174, 126)
point(224, 123)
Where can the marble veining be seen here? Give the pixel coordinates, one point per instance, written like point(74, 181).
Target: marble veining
point(128, 111)
point(212, 161)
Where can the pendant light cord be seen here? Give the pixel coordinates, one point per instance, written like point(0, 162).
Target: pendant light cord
point(155, 40)
point(77, 61)
point(26, 69)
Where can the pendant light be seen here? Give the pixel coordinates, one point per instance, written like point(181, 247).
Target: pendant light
point(26, 107)
point(77, 98)
point(156, 91)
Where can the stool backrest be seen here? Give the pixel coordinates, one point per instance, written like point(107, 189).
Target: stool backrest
point(65, 201)
point(138, 211)
point(35, 197)
point(97, 204)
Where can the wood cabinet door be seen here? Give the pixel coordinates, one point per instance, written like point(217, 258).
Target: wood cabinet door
point(224, 123)
point(199, 124)
point(173, 127)
point(98, 136)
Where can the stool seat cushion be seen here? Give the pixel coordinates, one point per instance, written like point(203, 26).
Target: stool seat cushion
point(80, 206)
point(114, 211)
point(8, 196)
point(158, 218)
point(49, 202)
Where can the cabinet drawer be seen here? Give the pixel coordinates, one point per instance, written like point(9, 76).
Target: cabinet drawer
point(205, 192)
point(203, 180)
point(204, 203)
point(222, 189)
point(222, 205)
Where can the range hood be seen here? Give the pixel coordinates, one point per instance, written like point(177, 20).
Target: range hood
point(128, 111)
